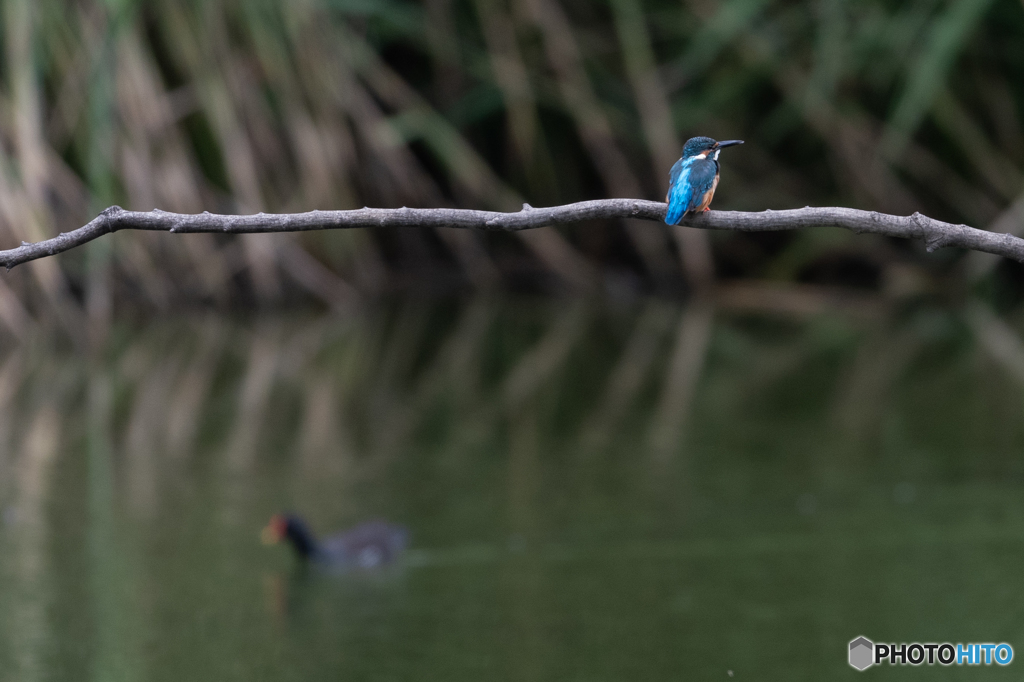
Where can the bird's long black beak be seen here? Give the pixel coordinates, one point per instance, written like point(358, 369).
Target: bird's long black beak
point(729, 143)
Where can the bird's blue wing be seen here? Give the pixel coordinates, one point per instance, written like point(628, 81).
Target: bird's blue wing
point(690, 179)
point(702, 179)
point(673, 175)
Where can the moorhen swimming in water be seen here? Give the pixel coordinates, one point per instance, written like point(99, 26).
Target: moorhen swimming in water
point(367, 546)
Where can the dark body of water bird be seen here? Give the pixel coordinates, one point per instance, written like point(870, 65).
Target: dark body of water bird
point(368, 546)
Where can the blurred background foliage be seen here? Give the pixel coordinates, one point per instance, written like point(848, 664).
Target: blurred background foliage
point(568, 466)
point(261, 105)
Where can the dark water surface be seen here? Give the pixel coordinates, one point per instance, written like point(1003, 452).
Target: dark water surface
point(595, 491)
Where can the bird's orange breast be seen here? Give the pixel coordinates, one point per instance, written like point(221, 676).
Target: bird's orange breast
point(708, 196)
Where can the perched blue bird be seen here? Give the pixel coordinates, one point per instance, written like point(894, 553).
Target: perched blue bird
point(694, 177)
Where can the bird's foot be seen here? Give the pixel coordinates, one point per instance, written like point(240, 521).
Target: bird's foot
point(706, 210)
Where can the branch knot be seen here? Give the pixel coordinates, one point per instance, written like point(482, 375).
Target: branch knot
point(110, 216)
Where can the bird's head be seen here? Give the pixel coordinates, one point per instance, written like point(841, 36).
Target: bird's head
point(276, 529)
point(705, 146)
point(292, 528)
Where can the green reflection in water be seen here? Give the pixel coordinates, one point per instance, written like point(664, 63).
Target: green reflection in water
point(601, 492)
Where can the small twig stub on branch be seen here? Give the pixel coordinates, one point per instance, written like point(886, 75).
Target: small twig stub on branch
point(935, 233)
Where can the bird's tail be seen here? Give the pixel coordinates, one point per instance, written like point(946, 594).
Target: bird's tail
point(675, 213)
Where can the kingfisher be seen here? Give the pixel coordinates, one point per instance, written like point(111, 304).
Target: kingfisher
point(694, 177)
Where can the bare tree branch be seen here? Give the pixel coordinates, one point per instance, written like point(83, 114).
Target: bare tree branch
point(936, 234)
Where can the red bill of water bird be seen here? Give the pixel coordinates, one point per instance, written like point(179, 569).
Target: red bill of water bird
point(694, 178)
point(367, 546)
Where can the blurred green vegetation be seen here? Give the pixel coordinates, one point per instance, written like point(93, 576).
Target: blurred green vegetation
point(250, 105)
point(568, 467)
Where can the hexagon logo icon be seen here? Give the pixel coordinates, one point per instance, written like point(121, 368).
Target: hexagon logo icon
point(862, 652)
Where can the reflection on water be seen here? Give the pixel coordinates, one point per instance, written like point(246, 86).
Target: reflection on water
point(594, 490)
